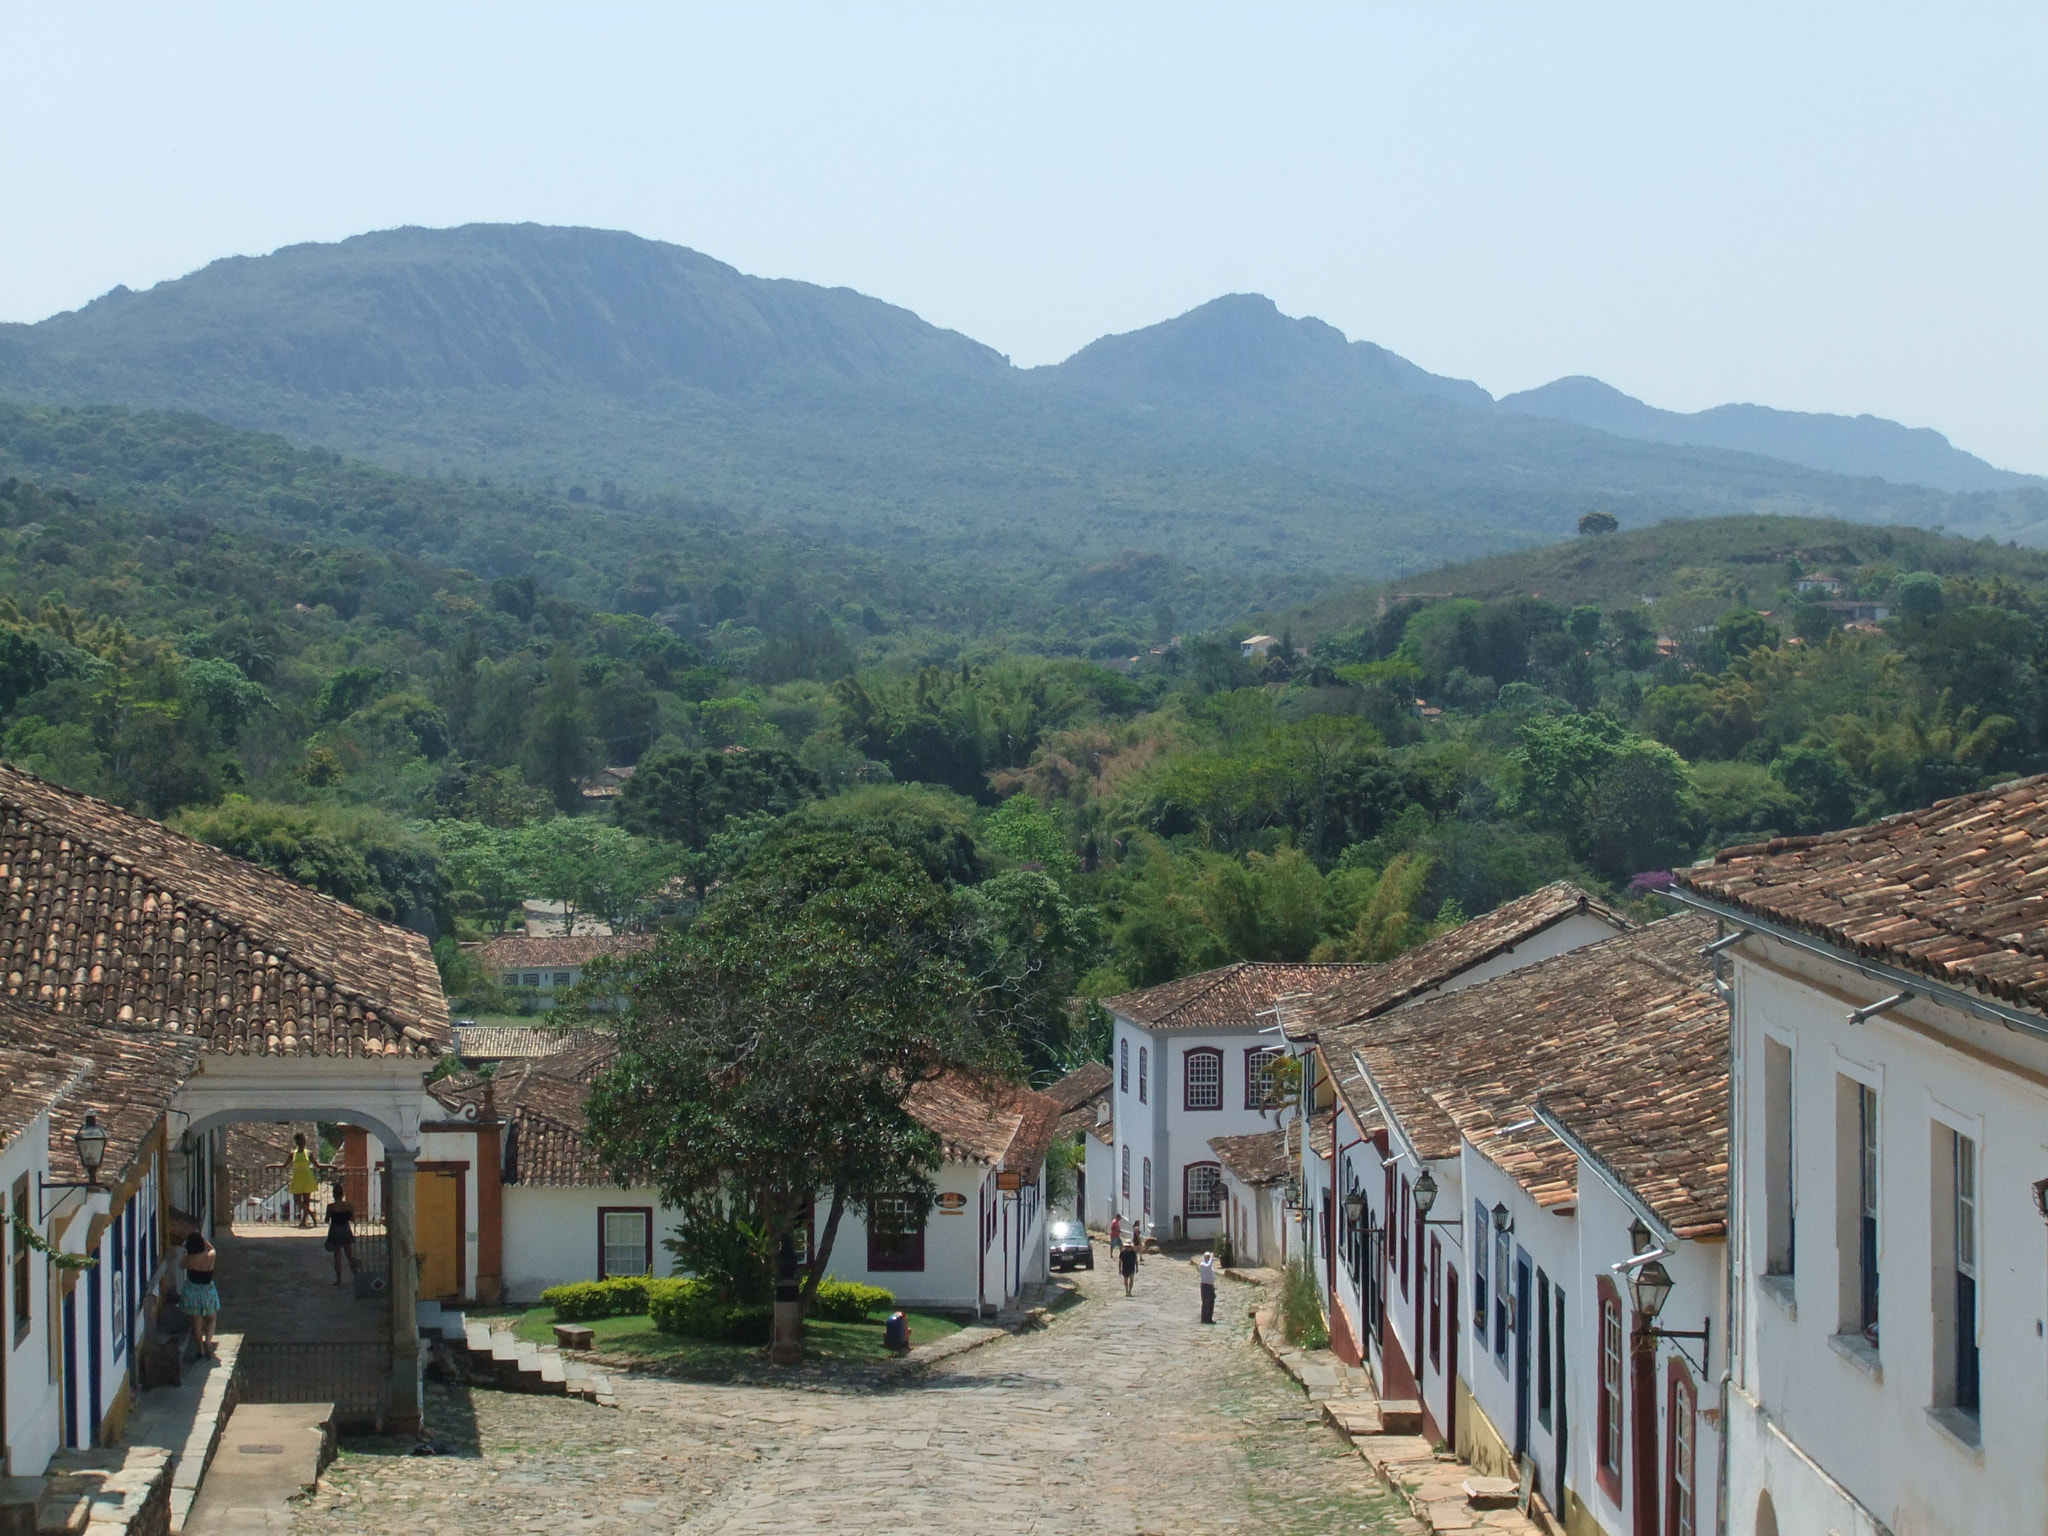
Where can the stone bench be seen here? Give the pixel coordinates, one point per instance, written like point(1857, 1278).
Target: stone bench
point(574, 1336)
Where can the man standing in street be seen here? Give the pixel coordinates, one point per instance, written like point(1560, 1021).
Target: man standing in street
point(1206, 1270)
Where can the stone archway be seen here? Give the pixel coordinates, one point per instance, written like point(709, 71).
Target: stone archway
point(319, 1368)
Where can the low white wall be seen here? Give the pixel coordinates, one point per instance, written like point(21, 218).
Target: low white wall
point(551, 1235)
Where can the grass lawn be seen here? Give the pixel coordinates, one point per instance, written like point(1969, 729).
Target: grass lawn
point(846, 1343)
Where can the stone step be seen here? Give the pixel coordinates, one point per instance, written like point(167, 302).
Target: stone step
point(1400, 1416)
point(1355, 1417)
point(503, 1346)
point(551, 1368)
point(454, 1326)
point(478, 1337)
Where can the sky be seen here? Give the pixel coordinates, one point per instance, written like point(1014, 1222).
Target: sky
point(1812, 206)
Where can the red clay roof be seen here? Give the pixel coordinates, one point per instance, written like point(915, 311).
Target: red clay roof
point(1622, 1040)
point(125, 1077)
point(1428, 966)
point(113, 918)
point(1957, 892)
point(1232, 995)
point(1256, 1160)
point(1081, 1086)
point(515, 953)
point(986, 1120)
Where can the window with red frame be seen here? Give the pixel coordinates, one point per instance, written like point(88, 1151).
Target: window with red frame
point(1258, 1076)
point(1607, 1433)
point(1148, 1175)
point(1681, 1457)
point(895, 1235)
point(1141, 1074)
point(1202, 1079)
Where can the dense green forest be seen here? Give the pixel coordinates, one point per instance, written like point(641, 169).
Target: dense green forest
point(661, 380)
point(223, 631)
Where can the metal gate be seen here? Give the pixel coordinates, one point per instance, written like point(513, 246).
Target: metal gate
point(257, 1172)
point(356, 1378)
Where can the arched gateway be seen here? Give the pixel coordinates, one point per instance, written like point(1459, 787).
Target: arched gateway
point(180, 990)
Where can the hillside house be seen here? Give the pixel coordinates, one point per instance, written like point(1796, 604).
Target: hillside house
point(551, 963)
point(1819, 583)
point(1259, 647)
point(1890, 1049)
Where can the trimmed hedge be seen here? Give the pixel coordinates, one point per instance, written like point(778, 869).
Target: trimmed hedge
point(847, 1301)
point(585, 1299)
point(692, 1310)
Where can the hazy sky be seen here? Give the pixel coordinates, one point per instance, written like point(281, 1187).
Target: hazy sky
point(1839, 208)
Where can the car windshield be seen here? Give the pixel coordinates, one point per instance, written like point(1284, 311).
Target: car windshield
point(1060, 1230)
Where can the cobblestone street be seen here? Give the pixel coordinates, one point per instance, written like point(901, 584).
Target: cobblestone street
point(1124, 1416)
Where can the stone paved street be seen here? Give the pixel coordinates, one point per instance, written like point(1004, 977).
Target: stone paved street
point(1124, 1416)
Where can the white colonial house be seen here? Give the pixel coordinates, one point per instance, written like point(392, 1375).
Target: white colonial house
point(1193, 1060)
point(1890, 1050)
point(1510, 1160)
point(983, 1244)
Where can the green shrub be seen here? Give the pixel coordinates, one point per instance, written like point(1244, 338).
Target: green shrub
point(846, 1301)
point(1301, 1308)
point(691, 1309)
point(585, 1299)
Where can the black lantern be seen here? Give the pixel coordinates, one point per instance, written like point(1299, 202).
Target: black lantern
point(1425, 1192)
point(91, 1142)
point(1503, 1221)
point(1354, 1208)
point(1649, 1288)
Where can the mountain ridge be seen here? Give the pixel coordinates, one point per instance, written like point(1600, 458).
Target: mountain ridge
point(1231, 434)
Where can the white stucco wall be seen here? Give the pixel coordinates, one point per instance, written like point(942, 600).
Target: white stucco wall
point(1168, 1132)
point(551, 1235)
point(1865, 1424)
point(959, 1274)
point(1101, 1171)
point(33, 1423)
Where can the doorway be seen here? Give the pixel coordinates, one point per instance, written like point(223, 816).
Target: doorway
point(1523, 1318)
point(1453, 1331)
point(438, 1229)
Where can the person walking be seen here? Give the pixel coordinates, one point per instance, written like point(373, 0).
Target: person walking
point(1128, 1263)
point(1116, 1237)
point(341, 1232)
point(305, 1171)
point(1206, 1272)
point(199, 1296)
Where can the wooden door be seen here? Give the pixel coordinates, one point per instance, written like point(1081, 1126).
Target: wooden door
point(437, 1205)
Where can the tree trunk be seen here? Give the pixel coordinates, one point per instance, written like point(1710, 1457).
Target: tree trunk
point(821, 1250)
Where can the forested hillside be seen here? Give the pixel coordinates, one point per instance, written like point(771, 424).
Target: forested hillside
point(272, 652)
point(1232, 437)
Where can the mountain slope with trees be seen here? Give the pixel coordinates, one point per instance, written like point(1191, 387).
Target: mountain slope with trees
point(604, 367)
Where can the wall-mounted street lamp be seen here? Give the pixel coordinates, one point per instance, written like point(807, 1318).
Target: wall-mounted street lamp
point(1503, 1219)
point(1354, 1208)
point(1425, 1193)
point(89, 1141)
point(1649, 1287)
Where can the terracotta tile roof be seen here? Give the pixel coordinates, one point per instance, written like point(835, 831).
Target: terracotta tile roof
point(1958, 891)
point(517, 953)
point(540, 1101)
point(985, 1120)
point(1081, 1086)
point(499, 1042)
point(29, 1084)
point(116, 919)
point(1622, 1040)
point(125, 1077)
point(1257, 1160)
point(1379, 988)
point(1232, 995)
point(1322, 1135)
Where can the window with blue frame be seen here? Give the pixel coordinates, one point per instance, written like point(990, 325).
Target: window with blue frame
point(1503, 1306)
point(1479, 1246)
point(118, 1285)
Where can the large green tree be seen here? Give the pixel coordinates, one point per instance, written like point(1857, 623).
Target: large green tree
point(766, 1054)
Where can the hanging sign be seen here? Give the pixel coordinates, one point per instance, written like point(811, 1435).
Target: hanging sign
point(952, 1203)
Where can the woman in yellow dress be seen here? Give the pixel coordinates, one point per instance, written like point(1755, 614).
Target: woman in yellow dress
point(305, 1179)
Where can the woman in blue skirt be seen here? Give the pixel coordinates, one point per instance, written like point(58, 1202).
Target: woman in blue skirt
point(199, 1297)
